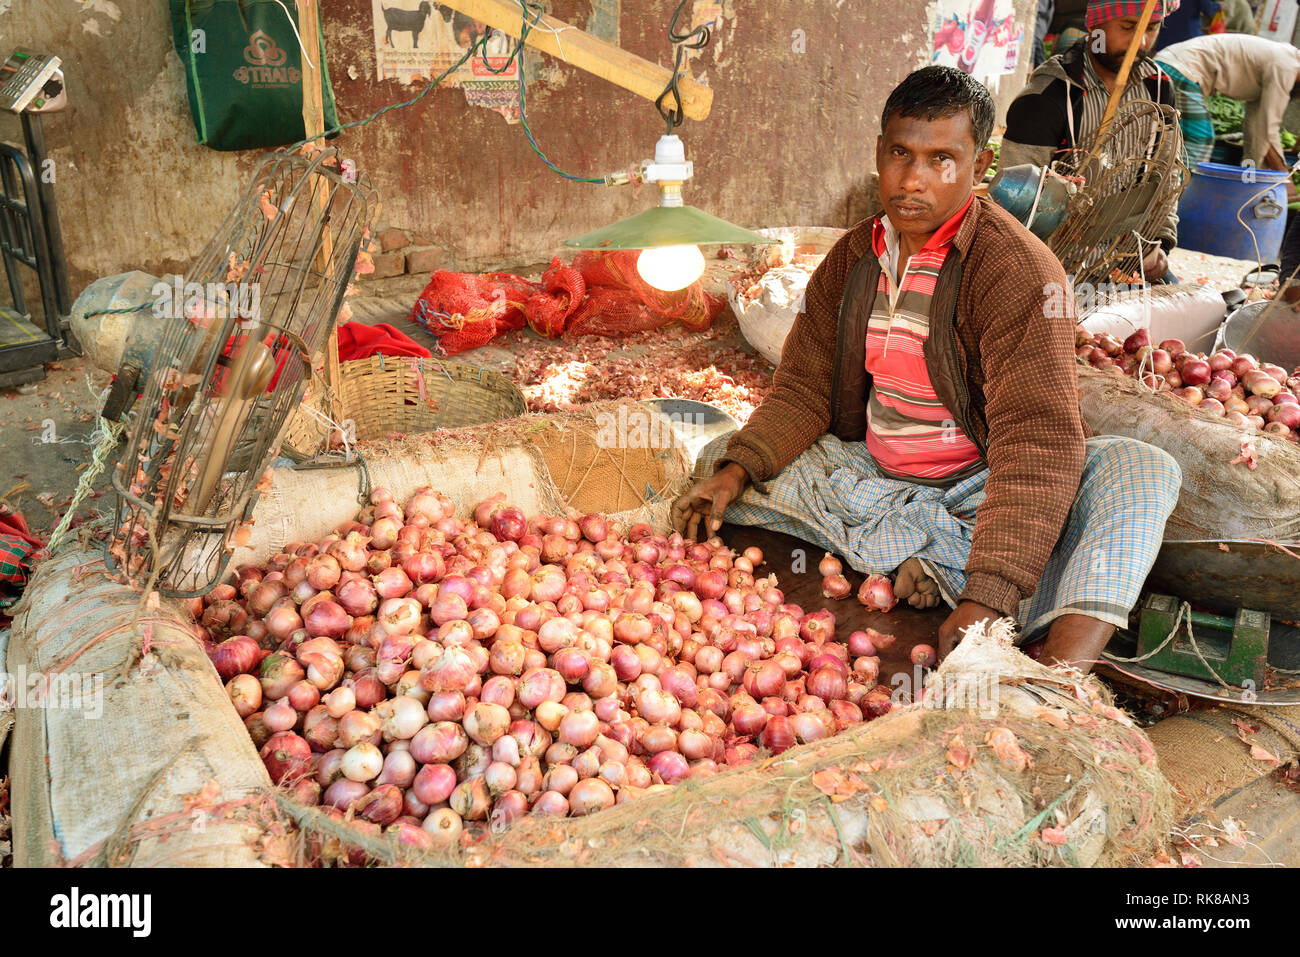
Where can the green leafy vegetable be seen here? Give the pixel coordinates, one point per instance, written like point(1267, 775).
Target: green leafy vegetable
point(1226, 114)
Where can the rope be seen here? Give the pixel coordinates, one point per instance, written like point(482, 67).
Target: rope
point(109, 435)
point(1184, 609)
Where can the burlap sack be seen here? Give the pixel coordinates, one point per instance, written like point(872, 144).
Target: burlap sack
point(128, 760)
point(542, 462)
point(1219, 500)
point(1205, 754)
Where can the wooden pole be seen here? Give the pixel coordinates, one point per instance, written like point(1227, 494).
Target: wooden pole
point(1121, 80)
point(313, 121)
point(586, 52)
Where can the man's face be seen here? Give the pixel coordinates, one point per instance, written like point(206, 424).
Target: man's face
point(927, 170)
point(1118, 35)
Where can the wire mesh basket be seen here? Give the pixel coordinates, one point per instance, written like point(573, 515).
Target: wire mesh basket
point(240, 338)
point(382, 395)
point(1134, 175)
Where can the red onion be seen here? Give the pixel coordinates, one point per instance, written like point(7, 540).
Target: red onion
point(443, 827)
point(357, 597)
point(808, 726)
point(1196, 372)
point(924, 655)
point(399, 769)
point(1260, 383)
point(508, 524)
point(439, 743)
point(877, 593)
point(1287, 414)
point(446, 706)
point(392, 583)
point(343, 794)
point(278, 674)
point(670, 766)
point(710, 584)
point(471, 799)
point(236, 656)
point(836, 587)
point(764, 679)
point(819, 626)
point(594, 528)
point(245, 693)
point(287, 757)
point(303, 696)
point(400, 718)
point(320, 730)
point(860, 643)
point(367, 687)
point(485, 723)
point(778, 735)
point(829, 684)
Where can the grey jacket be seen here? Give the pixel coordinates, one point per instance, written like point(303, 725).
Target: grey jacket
point(1044, 120)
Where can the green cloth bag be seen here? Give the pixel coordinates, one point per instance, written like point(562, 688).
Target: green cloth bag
point(243, 71)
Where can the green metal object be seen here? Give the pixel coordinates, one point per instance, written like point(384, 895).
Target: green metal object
point(1237, 649)
point(667, 226)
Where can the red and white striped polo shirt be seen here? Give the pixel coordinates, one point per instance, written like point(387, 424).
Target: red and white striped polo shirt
point(910, 433)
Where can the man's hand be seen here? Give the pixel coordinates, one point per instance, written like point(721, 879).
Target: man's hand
point(1156, 265)
point(963, 616)
point(707, 500)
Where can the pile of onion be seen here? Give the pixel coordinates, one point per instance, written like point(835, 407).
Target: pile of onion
point(1236, 389)
point(435, 676)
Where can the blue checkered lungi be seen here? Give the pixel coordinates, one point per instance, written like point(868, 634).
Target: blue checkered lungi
point(834, 496)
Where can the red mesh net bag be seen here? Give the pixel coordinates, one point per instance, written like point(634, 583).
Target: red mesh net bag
point(601, 294)
point(619, 302)
point(549, 311)
point(464, 310)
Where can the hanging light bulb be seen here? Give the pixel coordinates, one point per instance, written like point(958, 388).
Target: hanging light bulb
point(670, 234)
point(671, 268)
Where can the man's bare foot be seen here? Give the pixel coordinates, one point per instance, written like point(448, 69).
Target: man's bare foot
point(914, 585)
point(1075, 640)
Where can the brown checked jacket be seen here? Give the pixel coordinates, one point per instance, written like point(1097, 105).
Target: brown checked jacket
point(1000, 360)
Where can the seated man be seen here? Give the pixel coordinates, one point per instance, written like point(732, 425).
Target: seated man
point(1264, 73)
point(1058, 113)
point(956, 452)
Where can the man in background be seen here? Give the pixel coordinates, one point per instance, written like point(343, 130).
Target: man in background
point(1185, 22)
point(1042, 27)
point(1263, 73)
point(1238, 17)
point(1056, 116)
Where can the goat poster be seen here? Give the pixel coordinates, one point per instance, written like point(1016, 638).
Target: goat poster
point(979, 37)
point(416, 40)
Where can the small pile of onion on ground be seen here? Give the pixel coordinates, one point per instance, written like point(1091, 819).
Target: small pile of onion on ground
point(1237, 389)
point(431, 676)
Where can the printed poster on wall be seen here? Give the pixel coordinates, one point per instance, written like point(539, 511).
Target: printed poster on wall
point(415, 41)
point(979, 37)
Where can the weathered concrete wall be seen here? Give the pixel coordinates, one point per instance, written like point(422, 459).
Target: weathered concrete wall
point(790, 139)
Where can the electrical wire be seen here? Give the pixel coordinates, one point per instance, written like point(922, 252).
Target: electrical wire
point(696, 39)
point(526, 7)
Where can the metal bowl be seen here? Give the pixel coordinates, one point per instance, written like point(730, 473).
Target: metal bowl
point(1267, 330)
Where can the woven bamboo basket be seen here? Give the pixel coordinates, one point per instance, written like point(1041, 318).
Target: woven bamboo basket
point(383, 395)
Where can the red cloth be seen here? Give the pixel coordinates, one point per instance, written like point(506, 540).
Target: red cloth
point(360, 341)
point(18, 547)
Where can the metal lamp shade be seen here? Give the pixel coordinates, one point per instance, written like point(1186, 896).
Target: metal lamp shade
point(667, 226)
